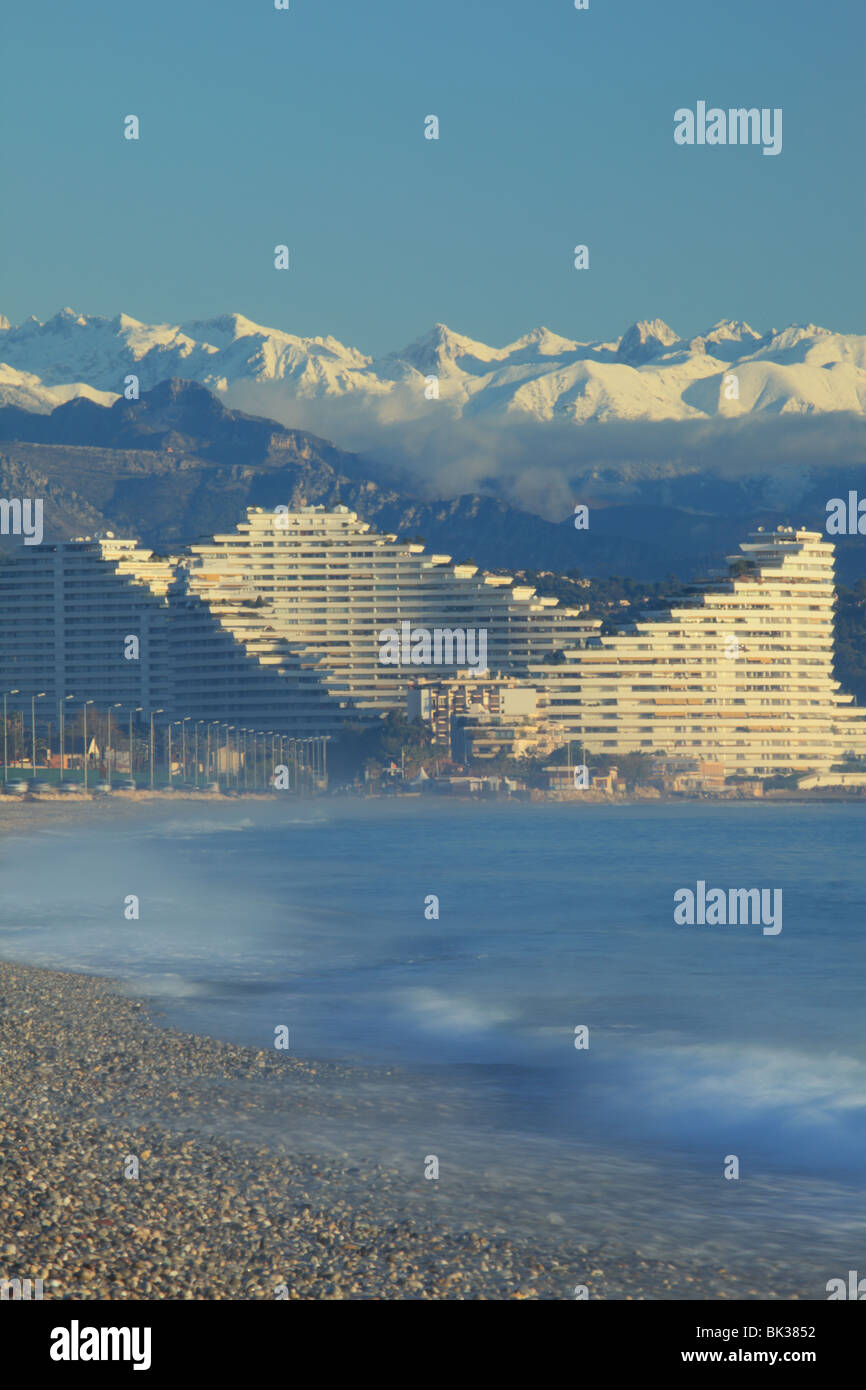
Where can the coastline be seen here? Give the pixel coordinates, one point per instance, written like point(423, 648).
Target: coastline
point(23, 813)
point(89, 1079)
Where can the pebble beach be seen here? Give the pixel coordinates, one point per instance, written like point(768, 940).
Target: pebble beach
point(216, 1218)
point(125, 1172)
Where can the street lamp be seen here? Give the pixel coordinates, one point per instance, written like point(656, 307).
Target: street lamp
point(214, 724)
point(225, 727)
point(230, 729)
point(196, 727)
point(108, 747)
point(33, 699)
point(61, 719)
point(135, 709)
point(152, 713)
point(5, 733)
point(183, 724)
point(85, 703)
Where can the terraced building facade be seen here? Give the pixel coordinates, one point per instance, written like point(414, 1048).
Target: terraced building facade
point(281, 619)
point(276, 626)
point(737, 669)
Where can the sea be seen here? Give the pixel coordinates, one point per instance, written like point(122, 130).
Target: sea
point(511, 984)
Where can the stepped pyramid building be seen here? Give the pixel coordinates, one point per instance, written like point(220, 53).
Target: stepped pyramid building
point(276, 626)
point(737, 670)
point(281, 618)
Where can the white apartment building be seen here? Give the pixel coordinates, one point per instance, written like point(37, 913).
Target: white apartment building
point(67, 611)
point(738, 670)
point(275, 626)
point(281, 618)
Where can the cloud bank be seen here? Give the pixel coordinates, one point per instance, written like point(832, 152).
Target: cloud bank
point(544, 467)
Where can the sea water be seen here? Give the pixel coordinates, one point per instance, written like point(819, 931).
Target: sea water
point(555, 925)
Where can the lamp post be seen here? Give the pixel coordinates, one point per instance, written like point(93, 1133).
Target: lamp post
point(183, 724)
point(5, 734)
point(137, 709)
point(61, 719)
point(33, 699)
point(85, 703)
point(152, 713)
point(108, 747)
point(197, 722)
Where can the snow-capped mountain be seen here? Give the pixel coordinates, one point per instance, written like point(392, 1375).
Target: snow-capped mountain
point(649, 373)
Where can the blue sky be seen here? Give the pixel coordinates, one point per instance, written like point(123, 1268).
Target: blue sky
point(306, 127)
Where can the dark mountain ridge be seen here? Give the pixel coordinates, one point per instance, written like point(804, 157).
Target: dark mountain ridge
point(177, 464)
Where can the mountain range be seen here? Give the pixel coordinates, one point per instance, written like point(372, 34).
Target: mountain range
point(648, 374)
point(178, 464)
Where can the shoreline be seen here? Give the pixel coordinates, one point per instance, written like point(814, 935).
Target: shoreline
point(90, 1081)
point(36, 812)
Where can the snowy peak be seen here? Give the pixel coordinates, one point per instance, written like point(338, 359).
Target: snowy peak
point(645, 340)
point(544, 342)
point(224, 328)
point(650, 373)
point(441, 347)
point(730, 330)
point(727, 340)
